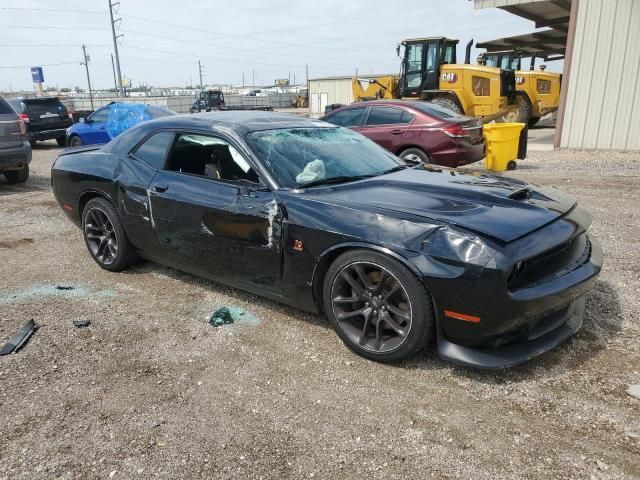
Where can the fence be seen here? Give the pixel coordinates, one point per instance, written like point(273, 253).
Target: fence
point(181, 104)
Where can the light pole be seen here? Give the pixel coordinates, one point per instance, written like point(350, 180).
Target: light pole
point(115, 47)
point(86, 66)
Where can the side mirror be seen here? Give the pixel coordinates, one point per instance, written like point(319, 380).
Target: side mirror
point(81, 120)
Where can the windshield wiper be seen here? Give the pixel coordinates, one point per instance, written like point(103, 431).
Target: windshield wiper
point(394, 169)
point(337, 179)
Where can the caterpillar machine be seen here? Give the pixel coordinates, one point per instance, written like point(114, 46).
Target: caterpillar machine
point(539, 91)
point(430, 72)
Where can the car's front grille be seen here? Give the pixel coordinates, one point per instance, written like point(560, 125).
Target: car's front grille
point(534, 328)
point(551, 264)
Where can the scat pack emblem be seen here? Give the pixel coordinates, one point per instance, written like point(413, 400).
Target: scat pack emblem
point(449, 77)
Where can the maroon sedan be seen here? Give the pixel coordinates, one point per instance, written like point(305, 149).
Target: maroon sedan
point(415, 131)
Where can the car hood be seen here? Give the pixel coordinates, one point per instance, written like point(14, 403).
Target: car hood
point(500, 207)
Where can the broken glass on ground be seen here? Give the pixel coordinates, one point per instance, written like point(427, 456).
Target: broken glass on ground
point(229, 315)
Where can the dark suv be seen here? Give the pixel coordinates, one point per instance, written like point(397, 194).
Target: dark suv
point(15, 151)
point(46, 118)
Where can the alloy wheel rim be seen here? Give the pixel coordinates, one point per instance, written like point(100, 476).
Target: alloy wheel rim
point(371, 307)
point(412, 157)
point(101, 236)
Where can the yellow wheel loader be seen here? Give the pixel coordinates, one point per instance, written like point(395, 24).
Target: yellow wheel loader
point(538, 90)
point(430, 72)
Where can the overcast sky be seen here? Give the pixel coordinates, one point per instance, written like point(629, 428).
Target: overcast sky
point(164, 39)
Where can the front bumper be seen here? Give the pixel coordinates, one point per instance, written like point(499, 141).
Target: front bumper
point(516, 326)
point(15, 158)
point(515, 353)
point(48, 134)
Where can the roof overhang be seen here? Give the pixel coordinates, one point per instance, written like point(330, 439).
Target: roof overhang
point(544, 13)
point(546, 43)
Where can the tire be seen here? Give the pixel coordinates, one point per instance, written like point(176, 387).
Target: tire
point(521, 115)
point(532, 121)
point(447, 103)
point(415, 155)
point(106, 241)
point(61, 141)
point(75, 141)
point(379, 305)
point(17, 176)
point(32, 143)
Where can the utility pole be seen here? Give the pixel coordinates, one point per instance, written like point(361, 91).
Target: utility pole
point(306, 68)
point(113, 67)
point(200, 73)
point(242, 79)
point(86, 65)
point(115, 47)
point(253, 77)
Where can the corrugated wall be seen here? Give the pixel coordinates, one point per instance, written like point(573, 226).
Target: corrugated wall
point(603, 96)
point(337, 90)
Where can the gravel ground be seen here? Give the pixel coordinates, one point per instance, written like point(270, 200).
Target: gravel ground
point(150, 390)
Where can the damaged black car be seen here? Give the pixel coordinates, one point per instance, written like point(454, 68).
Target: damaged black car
point(491, 269)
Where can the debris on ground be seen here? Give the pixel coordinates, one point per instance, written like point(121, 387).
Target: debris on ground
point(220, 317)
point(81, 323)
point(66, 291)
point(634, 391)
point(229, 315)
point(19, 339)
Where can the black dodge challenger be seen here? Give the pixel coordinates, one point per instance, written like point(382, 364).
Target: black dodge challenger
point(321, 218)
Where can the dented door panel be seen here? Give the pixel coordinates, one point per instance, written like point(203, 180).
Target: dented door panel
point(213, 226)
point(133, 189)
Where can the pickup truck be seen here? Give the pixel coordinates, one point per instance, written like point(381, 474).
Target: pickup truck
point(15, 151)
point(214, 100)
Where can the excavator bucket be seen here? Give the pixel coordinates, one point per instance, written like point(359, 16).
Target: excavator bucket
point(383, 87)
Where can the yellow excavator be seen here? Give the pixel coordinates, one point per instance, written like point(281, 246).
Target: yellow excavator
point(431, 73)
point(539, 90)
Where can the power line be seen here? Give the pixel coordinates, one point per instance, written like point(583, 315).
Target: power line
point(48, 27)
point(50, 10)
point(209, 44)
point(44, 64)
point(359, 18)
point(40, 45)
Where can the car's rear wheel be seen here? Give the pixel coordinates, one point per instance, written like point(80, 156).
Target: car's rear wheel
point(377, 306)
point(75, 141)
point(105, 237)
point(17, 176)
point(61, 141)
point(415, 155)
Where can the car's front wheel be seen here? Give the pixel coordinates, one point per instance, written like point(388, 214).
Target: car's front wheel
point(17, 176)
point(377, 306)
point(105, 237)
point(75, 141)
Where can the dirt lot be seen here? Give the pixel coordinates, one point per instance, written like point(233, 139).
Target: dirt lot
point(151, 390)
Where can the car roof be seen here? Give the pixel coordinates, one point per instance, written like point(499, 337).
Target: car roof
point(396, 103)
point(241, 121)
point(33, 99)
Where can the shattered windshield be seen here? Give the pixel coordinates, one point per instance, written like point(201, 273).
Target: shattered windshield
point(300, 156)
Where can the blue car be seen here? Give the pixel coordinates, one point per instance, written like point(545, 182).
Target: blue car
point(111, 120)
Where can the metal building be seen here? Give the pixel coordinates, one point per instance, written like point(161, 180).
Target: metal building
point(328, 90)
point(600, 96)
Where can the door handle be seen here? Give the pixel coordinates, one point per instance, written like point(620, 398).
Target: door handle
point(160, 188)
point(397, 132)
